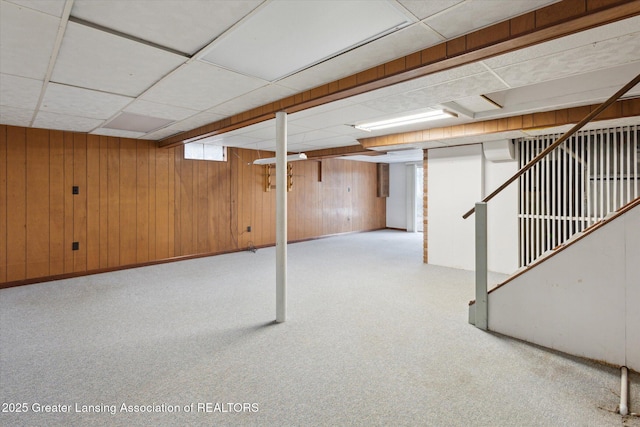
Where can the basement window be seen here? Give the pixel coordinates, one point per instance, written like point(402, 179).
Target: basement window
point(199, 151)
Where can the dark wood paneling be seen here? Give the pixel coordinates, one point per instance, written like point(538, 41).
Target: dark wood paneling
point(171, 197)
point(139, 204)
point(113, 202)
point(142, 201)
point(202, 207)
point(93, 202)
point(187, 215)
point(152, 150)
point(162, 203)
point(234, 195)
point(37, 192)
point(16, 203)
point(128, 180)
point(3, 203)
point(68, 201)
point(80, 201)
point(178, 153)
point(104, 202)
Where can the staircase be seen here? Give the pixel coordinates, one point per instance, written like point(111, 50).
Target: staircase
point(582, 297)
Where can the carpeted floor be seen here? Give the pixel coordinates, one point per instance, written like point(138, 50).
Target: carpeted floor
point(374, 338)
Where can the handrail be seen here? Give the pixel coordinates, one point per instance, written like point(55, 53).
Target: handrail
point(559, 141)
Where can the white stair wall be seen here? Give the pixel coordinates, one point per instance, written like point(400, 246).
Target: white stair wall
point(584, 300)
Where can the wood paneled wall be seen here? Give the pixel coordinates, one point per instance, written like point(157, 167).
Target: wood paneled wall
point(138, 203)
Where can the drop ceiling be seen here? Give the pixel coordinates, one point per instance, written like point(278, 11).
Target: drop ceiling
point(148, 69)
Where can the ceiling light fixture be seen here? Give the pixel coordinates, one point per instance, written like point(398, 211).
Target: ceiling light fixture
point(272, 160)
point(406, 120)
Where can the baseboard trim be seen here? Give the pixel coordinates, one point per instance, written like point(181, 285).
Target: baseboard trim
point(43, 279)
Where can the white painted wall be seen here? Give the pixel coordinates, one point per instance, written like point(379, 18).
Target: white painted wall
point(410, 197)
point(458, 177)
point(455, 184)
point(397, 200)
point(582, 301)
point(632, 249)
point(502, 217)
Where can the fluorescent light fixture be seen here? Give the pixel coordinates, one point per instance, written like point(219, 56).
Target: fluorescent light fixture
point(406, 120)
point(272, 160)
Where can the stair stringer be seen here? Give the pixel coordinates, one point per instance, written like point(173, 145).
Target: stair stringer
point(584, 300)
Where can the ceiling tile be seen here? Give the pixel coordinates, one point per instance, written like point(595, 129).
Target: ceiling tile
point(310, 137)
point(137, 123)
point(422, 82)
point(87, 103)
point(49, 120)
point(583, 38)
point(476, 104)
point(433, 95)
point(26, 52)
point(303, 148)
point(200, 86)
point(626, 121)
point(161, 134)
point(283, 37)
point(15, 116)
point(423, 9)
point(162, 111)
point(229, 140)
point(132, 67)
point(19, 92)
point(337, 117)
point(117, 132)
point(339, 141)
point(51, 7)
point(594, 56)
point(330, 106)
point(396, 45)
point(343, 130)
point(186, 26)
point(589, 88)
point(399, 156)
point(269, 132)
point(471, 15)
point(257, 98)
point(262, 145)
point(430, 144)
point(197, 120)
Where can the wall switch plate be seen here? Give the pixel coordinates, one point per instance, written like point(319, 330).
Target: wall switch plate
point(75, 246)
point(75, 189)
point(249, 229)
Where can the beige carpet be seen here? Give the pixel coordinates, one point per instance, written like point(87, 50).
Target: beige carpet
point(374, 337)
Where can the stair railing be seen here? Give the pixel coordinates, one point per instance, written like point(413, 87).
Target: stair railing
point(480, 209)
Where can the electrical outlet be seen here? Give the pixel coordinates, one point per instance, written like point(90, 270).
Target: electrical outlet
point(248, 229)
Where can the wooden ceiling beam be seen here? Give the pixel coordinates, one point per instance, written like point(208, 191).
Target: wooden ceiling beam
point(557, 20)
point(352, 150)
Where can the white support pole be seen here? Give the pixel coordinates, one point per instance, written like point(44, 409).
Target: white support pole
point(281, 216)
point(481, 267)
